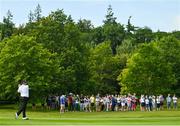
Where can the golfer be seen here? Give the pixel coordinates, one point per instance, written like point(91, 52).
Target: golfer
point(24, 96)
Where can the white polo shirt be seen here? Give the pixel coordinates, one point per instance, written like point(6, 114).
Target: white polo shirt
point(24, 90)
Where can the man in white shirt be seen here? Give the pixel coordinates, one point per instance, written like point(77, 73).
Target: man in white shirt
point(175, 101)
point(24, 93)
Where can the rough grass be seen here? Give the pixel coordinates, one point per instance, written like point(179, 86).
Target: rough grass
point(49, 118)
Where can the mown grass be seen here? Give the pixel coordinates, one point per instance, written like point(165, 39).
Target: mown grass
point(49, 118)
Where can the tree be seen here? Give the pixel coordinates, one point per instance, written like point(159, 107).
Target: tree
point(113, 31)
point(59, 34)
point(129, 28)
point(147, 72)
point(98, 35)
point(69, 19)
point(37, 13)
point(1, 31)
point(23, 58)
point(84, 25)
point(31, 17)
point(110, 19)
point(159, 34)
point(7, 26)
point(170, 47)
point(104, 69)
point(49, 31)
point(176, 34)
point(143, 35)
point(127, 47)
point(87, 59)
point(125, 51)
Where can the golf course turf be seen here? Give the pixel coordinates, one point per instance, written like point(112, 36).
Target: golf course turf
point(49, 118)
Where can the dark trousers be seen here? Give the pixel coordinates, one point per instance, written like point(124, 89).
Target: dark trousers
point(113, 107)
point(23, 104)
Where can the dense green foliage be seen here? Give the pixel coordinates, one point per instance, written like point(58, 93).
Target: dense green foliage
point(152, 68)
point(57, 55)
point(23, 57)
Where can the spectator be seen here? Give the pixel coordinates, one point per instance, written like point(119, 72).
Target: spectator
point(175, 99)
point(62, 103)
point(82, 103)
point(147, 103)
point(97, 103)
point(161, 101)
point(150, 103)
point(142, 103)
point(168, 100)
point(77, 108)
point(158, 102)
point(70, 102)
point(92, 100)
point(48, 102)
point(129, 100)
point(154, 102)
point(113, 102)
point(123, 102)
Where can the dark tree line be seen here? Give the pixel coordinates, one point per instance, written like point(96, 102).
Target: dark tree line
point(57, 55)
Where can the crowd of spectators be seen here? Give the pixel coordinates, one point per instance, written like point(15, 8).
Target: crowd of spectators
point(98, 103)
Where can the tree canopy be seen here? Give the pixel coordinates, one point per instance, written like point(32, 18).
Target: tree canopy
point(23, 58)
point(151, 69)
point(58, 55)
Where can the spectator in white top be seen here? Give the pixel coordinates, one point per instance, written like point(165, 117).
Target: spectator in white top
point(107, 103)
point(175, 99)
point(142, 103)
point(123, 102)
point(154, 102)
point(24, 96)
point(158, 103)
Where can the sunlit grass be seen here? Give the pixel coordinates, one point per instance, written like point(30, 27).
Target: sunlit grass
point(49, 118)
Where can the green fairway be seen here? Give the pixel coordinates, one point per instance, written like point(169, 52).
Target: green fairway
point(96, 118)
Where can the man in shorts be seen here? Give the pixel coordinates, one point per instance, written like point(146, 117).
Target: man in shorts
point(62, 104)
